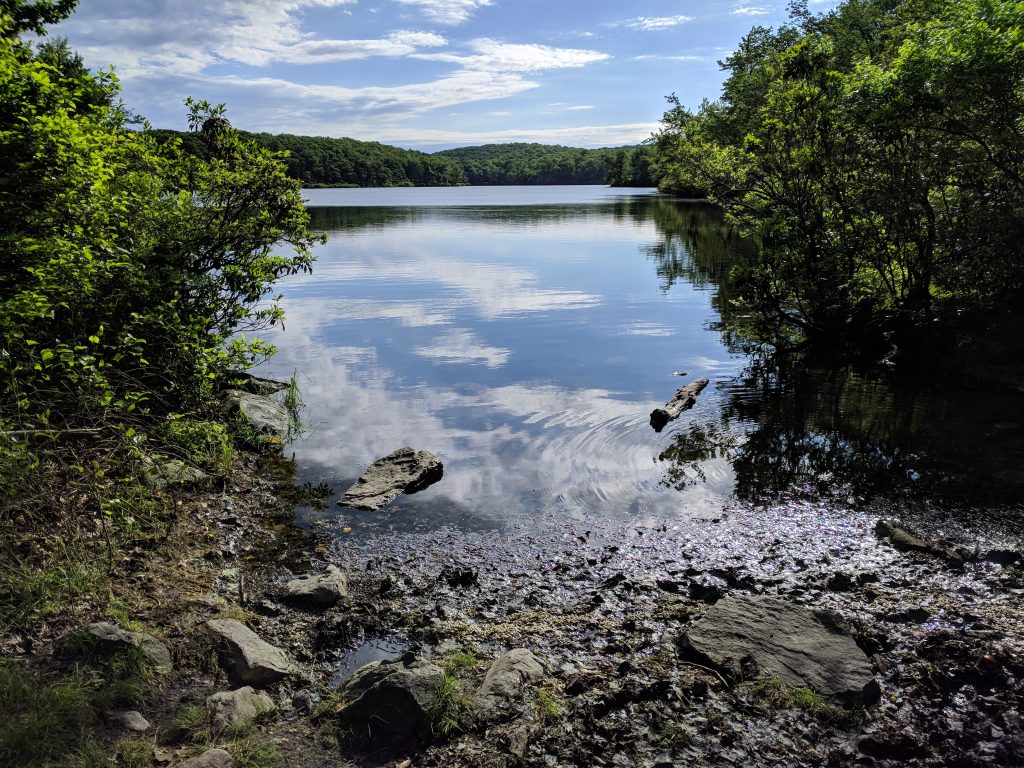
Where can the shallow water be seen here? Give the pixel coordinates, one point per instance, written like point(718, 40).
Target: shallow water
point(525, 334)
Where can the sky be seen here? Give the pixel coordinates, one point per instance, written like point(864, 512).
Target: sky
point(423, 74)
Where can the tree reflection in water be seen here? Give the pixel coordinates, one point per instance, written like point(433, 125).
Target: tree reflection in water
point(795, 424)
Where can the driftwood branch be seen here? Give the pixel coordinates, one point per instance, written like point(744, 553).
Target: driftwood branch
point(683, 400)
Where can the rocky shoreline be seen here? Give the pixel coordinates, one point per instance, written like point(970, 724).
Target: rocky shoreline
point(794, 634)
point(605, 669)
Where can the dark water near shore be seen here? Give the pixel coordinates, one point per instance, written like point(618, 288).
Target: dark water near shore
point(525, 334)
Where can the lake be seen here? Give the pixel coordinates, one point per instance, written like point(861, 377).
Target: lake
point(524, 334)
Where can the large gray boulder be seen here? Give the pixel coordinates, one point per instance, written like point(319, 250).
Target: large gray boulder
point(318, 590)
point(252, 660)
point(266, 417)
point(507, 683)
point(803, 648)
point(404, 471)
point(391, 700)
point(238, 708)
point(108, 639)
point(211, 758)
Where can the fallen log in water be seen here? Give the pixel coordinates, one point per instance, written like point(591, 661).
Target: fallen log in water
point(684, 399)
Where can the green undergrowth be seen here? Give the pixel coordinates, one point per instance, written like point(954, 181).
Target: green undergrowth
point(450, 713)
point(51, 718)
point(194, 725)
point(206, 444)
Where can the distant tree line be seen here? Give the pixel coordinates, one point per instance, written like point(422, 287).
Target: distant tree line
point(519, 163)
point(318, 161)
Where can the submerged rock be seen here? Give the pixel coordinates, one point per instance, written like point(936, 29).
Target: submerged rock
point(251, 659)
point(404, 471)
point(905, 541)
point(507, 683)
point(803, 648)
point(238, 708)
point(108, 639)
point(318, 590)
point(683, 400)
point(391, 700)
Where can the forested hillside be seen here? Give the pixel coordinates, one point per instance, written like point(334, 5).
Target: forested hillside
point(547, 164)
point(875, 156)
point(319, 161)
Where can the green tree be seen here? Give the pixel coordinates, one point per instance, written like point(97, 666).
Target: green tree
point(874, 155)
point(127, 267)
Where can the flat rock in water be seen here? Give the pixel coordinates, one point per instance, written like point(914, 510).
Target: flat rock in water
point(803, 648)
point(253, 660)
point(391, 700)
point(506, 683)
point(404, 471)
point(318, 590)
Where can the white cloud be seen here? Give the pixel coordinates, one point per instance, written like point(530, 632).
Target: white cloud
point(323, 51)
point(464, 348)
point(495, 56)
point(683, 57)
point(447, 11)
point(186, 36)
point(579, 108)
point(751, 10)
point(577, 136)
point(656, 23)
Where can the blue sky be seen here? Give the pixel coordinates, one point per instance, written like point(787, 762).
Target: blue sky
point(427, 74)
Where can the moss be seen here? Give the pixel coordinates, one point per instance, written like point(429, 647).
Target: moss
point(773, 694)
point(549, 705)
point(456, 661)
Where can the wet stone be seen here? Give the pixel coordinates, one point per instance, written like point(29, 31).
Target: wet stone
point(130, 721)
point(252, 660)
point(318, 590)
point(211, 758)
point(506, 683)
point(803, 648)
point(404, 471)
point(390, 700)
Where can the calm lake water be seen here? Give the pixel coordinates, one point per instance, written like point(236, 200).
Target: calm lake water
point(524, 334)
